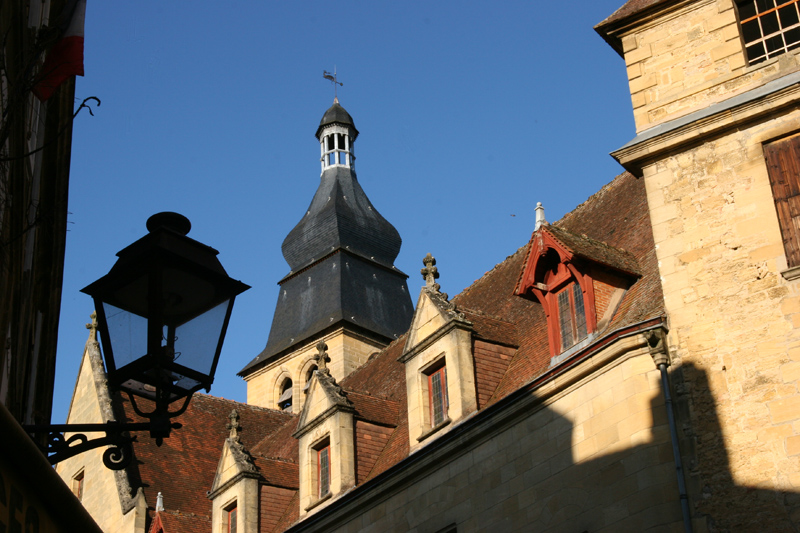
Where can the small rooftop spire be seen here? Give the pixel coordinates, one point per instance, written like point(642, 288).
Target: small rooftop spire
point(159, 502)
point(540, 220)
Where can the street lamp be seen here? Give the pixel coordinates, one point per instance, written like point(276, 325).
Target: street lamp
point(162, 311)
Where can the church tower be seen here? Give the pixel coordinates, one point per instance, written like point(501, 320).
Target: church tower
point(343, 287)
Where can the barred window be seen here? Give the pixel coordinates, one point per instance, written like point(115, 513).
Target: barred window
point(571, 316)
point(323, 471)
point(769, 27)
point(437, 395)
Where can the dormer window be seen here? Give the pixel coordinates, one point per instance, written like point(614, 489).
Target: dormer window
point(571, 316)
point(769, 27)
point(562, 272)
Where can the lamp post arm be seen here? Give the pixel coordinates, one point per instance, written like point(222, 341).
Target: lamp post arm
point(116, 457)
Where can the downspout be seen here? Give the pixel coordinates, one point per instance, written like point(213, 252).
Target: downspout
point(656, 341)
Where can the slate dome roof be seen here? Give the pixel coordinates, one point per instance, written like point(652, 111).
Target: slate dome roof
point(336, 114)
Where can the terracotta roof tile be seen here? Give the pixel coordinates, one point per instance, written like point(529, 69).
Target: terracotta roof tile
point(492, 329)
point(377, 410)
point(588, 248)
point(278, 473)
point(291, 515)
point(183, 468)
point(173, 522)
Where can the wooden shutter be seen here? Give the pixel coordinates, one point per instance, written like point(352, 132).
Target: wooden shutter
point(783, 165)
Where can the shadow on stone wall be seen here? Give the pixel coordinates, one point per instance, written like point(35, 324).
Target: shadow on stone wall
point(715, 495)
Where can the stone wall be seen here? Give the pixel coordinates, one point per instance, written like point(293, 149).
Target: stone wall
point(588, 451)
point(347, 352)
point(100, 494)
point(684, 60)
point(734, 317)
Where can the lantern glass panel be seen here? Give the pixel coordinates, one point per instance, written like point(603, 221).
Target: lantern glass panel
point(128, 335)
point(197, 340)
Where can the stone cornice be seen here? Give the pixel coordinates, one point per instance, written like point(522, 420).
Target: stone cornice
point(657, 142)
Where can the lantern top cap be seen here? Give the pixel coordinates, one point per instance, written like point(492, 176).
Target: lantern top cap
point(169, 220)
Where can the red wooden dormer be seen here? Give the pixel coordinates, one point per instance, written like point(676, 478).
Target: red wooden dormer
point(577, 280)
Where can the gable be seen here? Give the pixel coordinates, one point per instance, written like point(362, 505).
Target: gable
point(428, 318)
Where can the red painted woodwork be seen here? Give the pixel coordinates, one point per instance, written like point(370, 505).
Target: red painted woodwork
point(550, 268)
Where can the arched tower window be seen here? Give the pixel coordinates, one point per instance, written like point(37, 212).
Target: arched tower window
point(309, 375)
point(285, 399)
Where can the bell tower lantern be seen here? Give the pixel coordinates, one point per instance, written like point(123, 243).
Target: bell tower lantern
point(343, 288)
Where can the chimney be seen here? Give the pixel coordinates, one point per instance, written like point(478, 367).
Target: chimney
point(539, 216)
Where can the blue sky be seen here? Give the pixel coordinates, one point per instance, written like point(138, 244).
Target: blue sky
point(469, 113)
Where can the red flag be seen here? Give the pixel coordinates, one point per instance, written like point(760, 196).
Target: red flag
point(65, 57)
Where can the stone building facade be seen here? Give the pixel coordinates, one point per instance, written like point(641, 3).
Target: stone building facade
point(633, 367)
point(709, 107)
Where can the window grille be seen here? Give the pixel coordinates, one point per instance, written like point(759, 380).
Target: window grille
point(769, 27)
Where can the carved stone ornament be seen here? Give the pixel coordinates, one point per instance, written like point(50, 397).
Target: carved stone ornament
point(657, 343)
point(322, 357)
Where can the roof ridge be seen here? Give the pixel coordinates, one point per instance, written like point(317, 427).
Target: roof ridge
point(243, 404)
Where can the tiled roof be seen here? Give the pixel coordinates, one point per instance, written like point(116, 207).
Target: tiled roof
point(377, 410)
point(183, 467)
point(176, 522)
point(278, 473)
point(583, 246)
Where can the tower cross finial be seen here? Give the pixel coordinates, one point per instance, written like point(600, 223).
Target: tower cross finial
point(332, 78)
point(430, 272)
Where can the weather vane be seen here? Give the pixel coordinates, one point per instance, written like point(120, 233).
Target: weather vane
point(332, 77)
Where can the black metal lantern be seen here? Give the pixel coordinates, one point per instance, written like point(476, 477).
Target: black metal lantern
point(163, 310)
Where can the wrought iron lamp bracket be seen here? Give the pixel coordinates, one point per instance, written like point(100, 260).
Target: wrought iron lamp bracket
point(120, 453)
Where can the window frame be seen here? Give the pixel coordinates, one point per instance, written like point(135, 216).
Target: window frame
point(78, 484)
point(782, 157)
point(319, 449)
point(577, 319)
point(743, 18)
point(443, 403)
point(231, 517)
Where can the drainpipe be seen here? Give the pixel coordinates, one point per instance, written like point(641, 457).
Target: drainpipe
point(656, 340)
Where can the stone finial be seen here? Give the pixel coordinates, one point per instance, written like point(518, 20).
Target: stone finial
point(656, 342)
point(430, 272)
point(92, 326)
point(540, 220)
point(233, 425)
point(322, 357)
point(159, 502)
